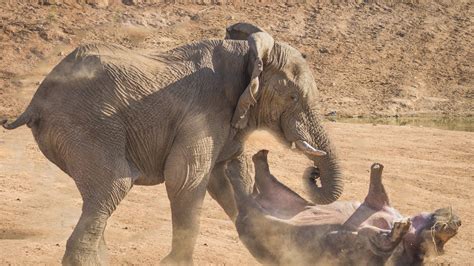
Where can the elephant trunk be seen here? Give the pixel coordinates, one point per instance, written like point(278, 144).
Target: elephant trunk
point(330, 187)
point(326, 170)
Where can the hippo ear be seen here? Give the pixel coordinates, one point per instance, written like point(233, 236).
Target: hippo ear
point(260, 46)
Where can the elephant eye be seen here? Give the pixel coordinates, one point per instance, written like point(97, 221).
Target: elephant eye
point(294, 97)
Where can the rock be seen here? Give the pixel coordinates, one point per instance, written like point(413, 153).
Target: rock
point(49, 2)
point(98, 3)
point(68, 31)
point(45, 35)
point(10, 29)
point(401, 33)
point(131, 2)
point(37, 52)
point(65, 39)
point(323, 50)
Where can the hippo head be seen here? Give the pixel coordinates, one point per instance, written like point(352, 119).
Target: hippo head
point(427, 236)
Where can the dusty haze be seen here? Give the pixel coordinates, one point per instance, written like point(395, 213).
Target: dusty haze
point(367, 59)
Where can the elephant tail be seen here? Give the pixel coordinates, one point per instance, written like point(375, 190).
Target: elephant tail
point(26, 117)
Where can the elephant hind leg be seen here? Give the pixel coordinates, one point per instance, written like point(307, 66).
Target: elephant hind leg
point(102, 187)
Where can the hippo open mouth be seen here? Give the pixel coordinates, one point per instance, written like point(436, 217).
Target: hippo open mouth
point(430, 233)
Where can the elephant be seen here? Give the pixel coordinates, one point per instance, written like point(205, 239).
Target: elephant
point(278, 226)
point(111, 118)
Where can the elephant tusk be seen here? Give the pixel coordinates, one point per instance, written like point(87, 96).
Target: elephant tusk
point(307, 148)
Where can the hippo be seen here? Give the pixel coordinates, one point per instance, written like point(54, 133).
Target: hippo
point(278, 226)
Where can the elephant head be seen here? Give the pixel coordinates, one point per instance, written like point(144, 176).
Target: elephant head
point(281, 96)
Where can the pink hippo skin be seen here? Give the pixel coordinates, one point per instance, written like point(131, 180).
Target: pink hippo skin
point(279, 227)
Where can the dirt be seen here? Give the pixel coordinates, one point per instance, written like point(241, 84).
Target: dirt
point(425, 169)
point(368, 59)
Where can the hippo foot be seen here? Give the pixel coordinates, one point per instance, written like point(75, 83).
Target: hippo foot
point(399, 230)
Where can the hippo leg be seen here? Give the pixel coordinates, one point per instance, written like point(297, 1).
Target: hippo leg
point(399, 230)
point(381, 242)
point(377, 197)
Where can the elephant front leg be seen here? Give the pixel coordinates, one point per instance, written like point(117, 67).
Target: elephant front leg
point(221, 191)
point(220, 188)
point(186, 178)
point(185, 210)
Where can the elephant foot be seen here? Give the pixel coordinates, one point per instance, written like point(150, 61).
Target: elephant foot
point(83, 257)
point(103, 252)
point(172, 259)
point(83, 254)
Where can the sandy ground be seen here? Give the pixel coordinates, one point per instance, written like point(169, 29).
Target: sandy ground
point(425, 169)
point(367, 59)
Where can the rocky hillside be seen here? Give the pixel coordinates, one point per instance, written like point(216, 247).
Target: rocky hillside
point(367, 58)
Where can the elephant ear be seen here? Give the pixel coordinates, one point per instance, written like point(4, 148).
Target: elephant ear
point(241, 31)
point(260, 46)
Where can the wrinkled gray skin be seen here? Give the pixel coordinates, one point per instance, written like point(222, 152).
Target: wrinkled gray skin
point(112, 118)
point(280, 227)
